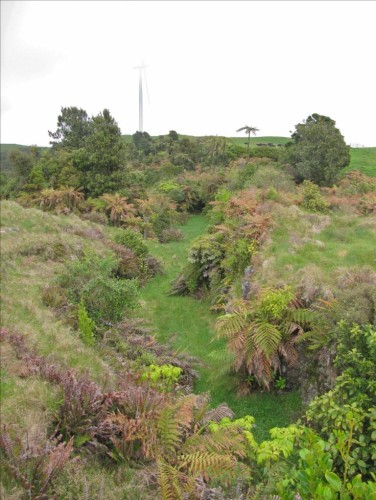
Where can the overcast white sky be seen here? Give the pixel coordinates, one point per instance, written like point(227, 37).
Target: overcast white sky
point(213, 67)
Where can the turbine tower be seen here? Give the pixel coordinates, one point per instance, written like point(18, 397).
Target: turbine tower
point(140, 96)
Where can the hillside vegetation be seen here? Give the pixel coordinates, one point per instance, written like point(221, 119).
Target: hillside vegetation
point(187, 317)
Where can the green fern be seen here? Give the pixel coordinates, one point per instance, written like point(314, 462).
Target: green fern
point(201, 462)
point(266, 337)
point(169, 434)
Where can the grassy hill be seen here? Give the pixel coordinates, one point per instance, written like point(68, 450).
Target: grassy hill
point(363, 159)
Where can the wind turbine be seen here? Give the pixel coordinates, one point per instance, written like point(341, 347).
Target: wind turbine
point(141, 72)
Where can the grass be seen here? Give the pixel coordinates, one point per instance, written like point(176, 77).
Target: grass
point(25, 271)
point(364, 160)
point(253, 140)
point(297, 242)
point(188, 324)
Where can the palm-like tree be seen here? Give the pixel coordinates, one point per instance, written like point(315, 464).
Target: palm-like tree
point(71, 196)
point(248, 130)
point(50, 198)
point(118, 208)
point(262, 336)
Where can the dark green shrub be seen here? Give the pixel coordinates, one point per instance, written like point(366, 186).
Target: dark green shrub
point(107, 299)
point(91, 280)
point(133, 240)
point(79, 272)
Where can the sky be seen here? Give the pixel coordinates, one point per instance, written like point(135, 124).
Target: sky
point(212, 66)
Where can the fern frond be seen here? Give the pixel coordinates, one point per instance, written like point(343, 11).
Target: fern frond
point(227, 441)
point(236, 342)
point(289, 353)
point(169, 435)
point(168, 480)
point(217, 414)
point(303, 317)
point(219, 354)
point(201, 462)
point(229, 324)
point(266, 337)
point(260, 366)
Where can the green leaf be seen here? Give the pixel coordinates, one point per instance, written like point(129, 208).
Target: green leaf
point(333, 480)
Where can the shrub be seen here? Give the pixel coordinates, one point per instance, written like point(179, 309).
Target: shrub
point(91, 281)
point(129, 265)
point(312, 199)
point(170, 234)
point(154, 266)
point(163, 376)
point(97, 217)
point(107, 299)
point(34, 465)
point(85, 325)
point(79, 272)
point(319, 151)
point(346, 416)
point(132, 240)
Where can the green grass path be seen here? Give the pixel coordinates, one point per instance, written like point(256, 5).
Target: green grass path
point(188, 325)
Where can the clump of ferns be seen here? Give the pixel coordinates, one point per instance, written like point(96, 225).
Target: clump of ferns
point(190, 452)
point(175, 432)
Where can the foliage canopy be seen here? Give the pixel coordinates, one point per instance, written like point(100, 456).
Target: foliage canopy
point(319, 151)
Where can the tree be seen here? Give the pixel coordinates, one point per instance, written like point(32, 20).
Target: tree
point(318, 152)
point(104, 144)
point(248, 130)
point(100, 156)
point(73, 126)
point(143, 142)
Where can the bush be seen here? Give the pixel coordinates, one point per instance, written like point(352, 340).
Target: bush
point(346, 416)
point(133, 240)
point(79, 272)
point(129, 265)
point(97, 217)
point(91, 280)
point(85, 325)
point(312, 199)
point(319, 151)
point(107, 299)
point(170, 234)
point(154, 266)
